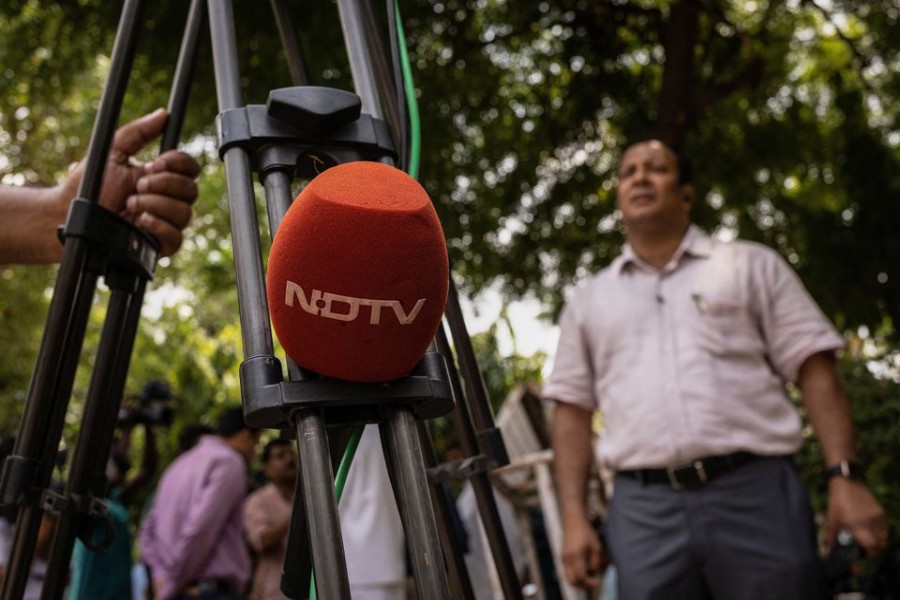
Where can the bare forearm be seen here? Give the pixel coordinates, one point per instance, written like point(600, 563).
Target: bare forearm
point(828, 408)
point(572, 449)
point(28, 225)
point(272, 536)
point(851, 505)
point(262, 530)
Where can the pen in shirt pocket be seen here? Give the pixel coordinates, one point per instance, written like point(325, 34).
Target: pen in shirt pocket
point(700, 302)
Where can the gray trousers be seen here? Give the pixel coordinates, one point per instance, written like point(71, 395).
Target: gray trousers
point(749, 534)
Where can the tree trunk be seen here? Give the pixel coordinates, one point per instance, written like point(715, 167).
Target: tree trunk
point(679, 38)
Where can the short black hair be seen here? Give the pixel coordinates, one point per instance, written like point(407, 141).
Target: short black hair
point(190, 434)
point(231, 422)
point(685, 168)
point(267, 449)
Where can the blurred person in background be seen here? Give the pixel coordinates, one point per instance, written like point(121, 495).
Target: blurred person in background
point(192, 539)
point(686, 343)
point(267, 518)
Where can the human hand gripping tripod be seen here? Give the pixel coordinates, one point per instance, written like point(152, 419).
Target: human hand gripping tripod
point(301, 130)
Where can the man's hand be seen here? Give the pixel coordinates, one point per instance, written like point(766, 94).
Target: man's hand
point(572, 441)
point(156, 196)
point(582, 554)
point(158, 585)
point(852, 507)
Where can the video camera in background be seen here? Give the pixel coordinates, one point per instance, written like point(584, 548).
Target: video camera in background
point(152, 407)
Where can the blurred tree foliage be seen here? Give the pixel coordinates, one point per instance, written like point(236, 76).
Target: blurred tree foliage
point(789, 108)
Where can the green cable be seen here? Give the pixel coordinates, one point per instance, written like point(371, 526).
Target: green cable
point(415, 141)
point(415, 144)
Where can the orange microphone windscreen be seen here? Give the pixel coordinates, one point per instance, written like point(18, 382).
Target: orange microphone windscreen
point(358, 274)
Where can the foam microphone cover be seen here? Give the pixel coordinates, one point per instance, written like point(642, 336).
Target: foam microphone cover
point(358, 274)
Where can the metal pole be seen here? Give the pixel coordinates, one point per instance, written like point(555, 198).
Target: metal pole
point(277, 184)
point(278, 197)
point(329, 562)
point(468, 364)
point(289, 42)
point(442, 499)
point(399, 434)
point(45, 407)
point(98, 426)
point(481, 484)
point(361, 64)
point(384, 76)
point(184, 73)
point(54, 374)
point(256, 331)
point(111, 102)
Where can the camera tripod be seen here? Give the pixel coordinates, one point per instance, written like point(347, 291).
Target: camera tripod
point(300, 131)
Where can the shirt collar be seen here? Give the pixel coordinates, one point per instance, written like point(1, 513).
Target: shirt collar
point(695, 243)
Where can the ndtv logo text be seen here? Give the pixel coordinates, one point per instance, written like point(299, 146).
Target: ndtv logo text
point(346, 308)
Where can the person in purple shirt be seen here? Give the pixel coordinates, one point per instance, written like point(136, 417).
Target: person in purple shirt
point(192, 539)
point(685, 343)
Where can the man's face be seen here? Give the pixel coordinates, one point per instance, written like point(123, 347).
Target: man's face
point(281, 467)
point(649, 194)
point(249, 443)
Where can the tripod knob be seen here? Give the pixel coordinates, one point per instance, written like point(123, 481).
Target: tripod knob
point(314, 111)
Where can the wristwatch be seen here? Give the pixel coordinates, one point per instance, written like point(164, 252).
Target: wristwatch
point(848, 469)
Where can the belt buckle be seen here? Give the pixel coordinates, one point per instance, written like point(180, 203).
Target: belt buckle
point(205, 586)
point(701, 472)
point(697, 466)
point(673, 479)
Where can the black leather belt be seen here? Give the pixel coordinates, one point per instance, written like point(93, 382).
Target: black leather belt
point(200, 587)
point(694, 474)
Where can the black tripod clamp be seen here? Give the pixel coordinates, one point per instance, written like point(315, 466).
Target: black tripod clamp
point(305, 130)
point(93, 508)
point(268, 400)
point(117, 246)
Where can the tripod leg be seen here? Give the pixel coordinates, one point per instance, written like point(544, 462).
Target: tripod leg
point(98, 426)
point(448, 524)
point(256, 329)
point(324, 527)
point(45, 408)
point(353, 25)
point(297, 560)
point(51, 384)
point(401, 438)
point(290, 43)
point(278, 198)
point(184, 71)
point(481, 484)
point(489, 439)
point(380, 65)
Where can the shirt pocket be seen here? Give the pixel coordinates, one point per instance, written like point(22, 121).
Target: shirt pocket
point(723, 323)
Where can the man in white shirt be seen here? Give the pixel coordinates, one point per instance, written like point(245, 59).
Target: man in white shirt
point(685, 344)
